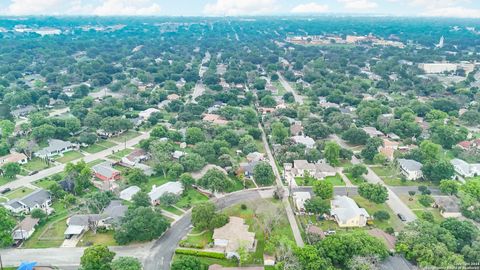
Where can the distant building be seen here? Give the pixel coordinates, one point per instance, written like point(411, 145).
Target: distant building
point(465, 169)
point(135, 157)
point(299, 199)
point(215, 119)
point(146, 114)
point(373, 132)
point(14, 157)
point(23, 111)
point(128, 193)
point(301, 168)
point(305, 140)
point(255, 156)
point(411, 169)
point(346, 212)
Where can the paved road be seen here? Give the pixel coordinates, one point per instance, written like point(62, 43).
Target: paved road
point(298, 98)
point(27, 180)
point(352, 191)
point(156, 255)
point(288, 208)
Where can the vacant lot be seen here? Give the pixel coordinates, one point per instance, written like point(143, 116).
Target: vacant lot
point(18, 193)
point(70, 156)
point(36, 164)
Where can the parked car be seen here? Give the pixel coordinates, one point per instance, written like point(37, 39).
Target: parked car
point(402, 217)
point(330, 232)
point(6, 190)
point(32, 173)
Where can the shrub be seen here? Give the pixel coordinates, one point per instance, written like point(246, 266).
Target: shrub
point(200, 253)
point(425, 200)
point(381, 215)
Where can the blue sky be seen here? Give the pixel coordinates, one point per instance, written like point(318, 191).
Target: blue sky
point(434, 8)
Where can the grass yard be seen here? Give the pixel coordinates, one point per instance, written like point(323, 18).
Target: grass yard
point(18, 193)
point(356, 181)
point(372, 207)
point(95, 162)
point(418, 208)
point(190, 198)
point(155, 180)
point(4, 180)
point(89, 239)
point(98, 147)
point(436, 214)
point(210, 261)
point(125, 136)
point(36, 164)
point(280, 88)
point(120, 154)
point(44, 183)
point(335, 180)
point(197, 240)
point(171, 209)
point(69, 156)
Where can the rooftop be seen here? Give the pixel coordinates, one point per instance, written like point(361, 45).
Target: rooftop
point(236, 233)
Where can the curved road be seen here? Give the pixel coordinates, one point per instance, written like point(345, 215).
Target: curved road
point(156, 255)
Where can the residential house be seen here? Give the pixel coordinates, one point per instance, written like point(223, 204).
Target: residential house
point(469, 145)
point(305, 140)
point(110, 217)
point(178, 154)
point(373, 132)
point(464, 169)
point(255, 156)
point(146, 114)
point(14, 157)
point(56, 147)
point(233, 236)
point(215, 119)
point(247, 168)
point(299, 199)
point(388, 148)
point(346, 212)
point(449, 206)
point(318, 170)
point(296, 129)
point(128, 193)
point(135, 157)
point(38, 199)
point(170, 187)
point(411, 169)
point(23, 111)
point(106, 172)
point(25, 229)
point(393, 136)
point(173, 97)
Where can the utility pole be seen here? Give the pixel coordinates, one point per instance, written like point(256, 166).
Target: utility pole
point(1, 263)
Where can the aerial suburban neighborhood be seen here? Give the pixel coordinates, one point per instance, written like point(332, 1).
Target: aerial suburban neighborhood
point(239, 142)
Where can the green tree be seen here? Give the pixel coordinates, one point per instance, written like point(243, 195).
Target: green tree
point(7, 223)
point(355, 136)
point(168, 199)
point(97, 257)
point(358, 170)
point(376, 193)
point(141, 224)
point(263, 174)
point(202, 214)
point(11, 169)
point(141, 199)
point(187, 180)
point(187, 263)
point(438, 170)
point(449, 186)
point(332, 153)
point(215, 180)
point(136, 176)
point(317, 206)
point(279, 132)
point(126, 263)
point(323, 189)
point(381, 215)
point(430, 151)
point(371, 148)
point(194, 135)
point(465, 232)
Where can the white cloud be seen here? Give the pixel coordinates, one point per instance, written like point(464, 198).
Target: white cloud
point(458, 12)
point(33, 7)
point(358, 4)
point(239, 7)
point(310, 8)
point(127, 7)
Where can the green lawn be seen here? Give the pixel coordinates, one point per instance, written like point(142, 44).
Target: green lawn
point(125, 136)
point(155, 180)
point(89, 239)
point(36, 164)
point(95, 162)
point(18, 193)
point(372, 207)
point(356, 181)
point(392, 177)
point(120, 154)
point(171, 209)
point(190, 198)
point(436, 214)
point(69, 156)
point(197, 240)
point(4, 180)
point(418, 208)
point(335, 180)
point(98, 147)
point(44, 183)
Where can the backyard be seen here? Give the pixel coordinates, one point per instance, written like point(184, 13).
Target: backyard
point(190, 198)
point(308, 181)
point(51, 233)
point(98, 147)
point(104, 238)
point(70, 156)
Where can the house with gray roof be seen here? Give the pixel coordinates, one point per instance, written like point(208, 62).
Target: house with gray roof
point(106, 172)
point(449, 206)
point(411, 169)
point(39, 199)
point(23, 111)
point(128, 193)
point(346, 213)
point(169, 187)
point(464, 169)
point(25, 229)
point(305, 140)
point(55, 147)
point(319, 170)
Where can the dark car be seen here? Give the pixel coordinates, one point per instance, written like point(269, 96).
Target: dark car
point(32, 173)
point(401, 217)
point(6, 190)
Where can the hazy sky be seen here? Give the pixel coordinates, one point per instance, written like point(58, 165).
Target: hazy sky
point(436, 8)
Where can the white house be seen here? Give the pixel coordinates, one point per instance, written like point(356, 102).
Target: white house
point(144, 115)
point(373, 132)
point(346, 212)
point(14, 157)
point(171, 187)
point(318, 170)
point(411, 169)
point(55, 147)
point(299, 199)
point(25, 229)
point(128, 193)
point(135, 157)
point(39, 199)
point(305, 140)
point(464, 169)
